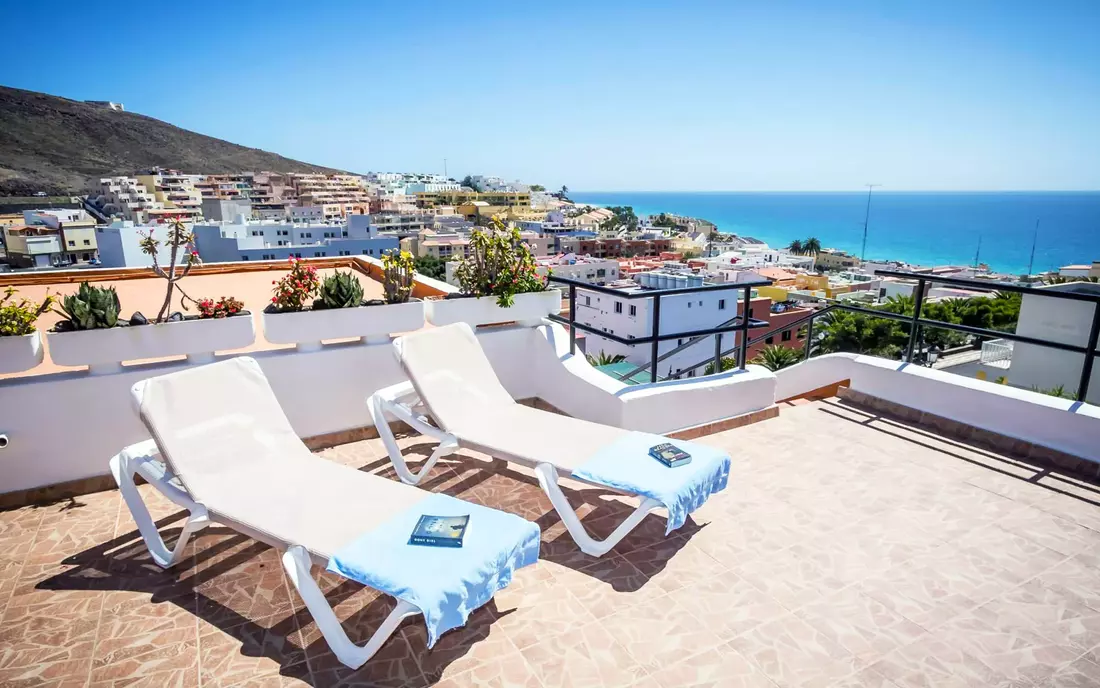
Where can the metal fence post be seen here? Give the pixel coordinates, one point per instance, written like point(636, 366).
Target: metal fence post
point(809, 338)
point(918, 301)
point(1086, 367)
point(572, 319)
point(656, 334)
point(717, 353)
point(743, 350)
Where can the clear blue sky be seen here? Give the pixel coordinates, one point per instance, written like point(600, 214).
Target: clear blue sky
point(932, 94)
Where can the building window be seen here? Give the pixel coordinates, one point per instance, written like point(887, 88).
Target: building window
point(633, 311)
point(750, 312)
point(700, 303)
point(600, 272)
point(721, 304)
point(618, 306)
point(689, 304)
point(364, 252)
point(244, 257)
point(769, 340)
point(786, 336)
point(588, 300)
point(72, 243)
point(679, 342)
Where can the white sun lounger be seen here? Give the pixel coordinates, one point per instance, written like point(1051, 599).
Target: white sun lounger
point(452, 381)
point(228, 454)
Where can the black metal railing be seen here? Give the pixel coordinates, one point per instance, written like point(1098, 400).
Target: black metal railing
point(917, 323)
point(737, 324)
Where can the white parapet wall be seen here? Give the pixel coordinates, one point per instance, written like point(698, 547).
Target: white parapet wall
point(1062, 424)
point(66, 426)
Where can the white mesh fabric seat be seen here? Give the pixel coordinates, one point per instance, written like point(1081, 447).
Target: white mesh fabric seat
point(450, 377)
point(230, 456)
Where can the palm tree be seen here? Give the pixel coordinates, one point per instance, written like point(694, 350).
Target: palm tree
point(604, 359)
point(796, 246)
point(777, 356)
point(1058, 279)
point(811, 245)
point(728, 363)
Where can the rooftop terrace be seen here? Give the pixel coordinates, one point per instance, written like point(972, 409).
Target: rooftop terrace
point(850, 549)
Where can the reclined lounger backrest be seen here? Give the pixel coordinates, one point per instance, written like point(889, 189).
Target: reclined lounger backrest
point(452, 375)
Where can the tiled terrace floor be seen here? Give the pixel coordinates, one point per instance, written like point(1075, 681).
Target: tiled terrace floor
point(849, 550)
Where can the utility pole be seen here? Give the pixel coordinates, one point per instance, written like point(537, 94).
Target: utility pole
point(445, 169)
point(866, 218)
point(1034, 239)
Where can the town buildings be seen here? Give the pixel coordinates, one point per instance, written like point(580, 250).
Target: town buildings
point(261, 240)
point(120, 246)
point(77, 232)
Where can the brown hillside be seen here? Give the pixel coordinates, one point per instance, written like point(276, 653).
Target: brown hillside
point(57, 145)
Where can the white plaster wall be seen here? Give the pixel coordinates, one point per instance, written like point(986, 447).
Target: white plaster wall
point(1060, 424)
point(1058, 320)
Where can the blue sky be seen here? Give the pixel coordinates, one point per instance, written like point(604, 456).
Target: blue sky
point(608, 95)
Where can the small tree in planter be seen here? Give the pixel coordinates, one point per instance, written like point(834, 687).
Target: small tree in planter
point(339, 290)
point(17, 318)
point(90, 308)
point(398, 272)
point(500, 264)
point(292, 291)
point(179, 237)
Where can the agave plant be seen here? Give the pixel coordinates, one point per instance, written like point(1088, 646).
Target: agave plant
point(90, 308)
point(340, 290)
point(777, 356)
point(605, 359)
point(398, 270)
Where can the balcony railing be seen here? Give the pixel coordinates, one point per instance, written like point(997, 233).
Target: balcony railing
point(997, 353)
point(738, 323)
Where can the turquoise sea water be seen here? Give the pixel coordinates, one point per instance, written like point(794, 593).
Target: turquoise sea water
point(917, 227)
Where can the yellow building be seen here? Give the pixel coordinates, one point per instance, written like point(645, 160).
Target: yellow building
point(176, 191)
point(811, 282)
point(435, 199)
point(776, 294)
point(78, 240)
point(831, 259)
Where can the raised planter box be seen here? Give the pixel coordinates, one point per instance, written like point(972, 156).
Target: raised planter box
point(369, 323)
point(19, 353)
point(104, 350)
point(528, 309)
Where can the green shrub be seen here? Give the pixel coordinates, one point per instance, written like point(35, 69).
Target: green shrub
point(398, 271)
point(500, 264)
point(17, 317)
point(90, 308)
point(339, 290)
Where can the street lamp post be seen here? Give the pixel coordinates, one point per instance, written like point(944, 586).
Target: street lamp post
point(866, 219)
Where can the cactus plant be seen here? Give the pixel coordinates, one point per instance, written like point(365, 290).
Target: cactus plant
point(398, 270)
point(90, 308)
point(340, 290)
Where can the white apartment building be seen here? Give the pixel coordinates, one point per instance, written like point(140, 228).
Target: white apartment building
point(759, 256)
point(120, 246)
point(251, 240)
point(432, 187)
point(316, 214)
point(128, 197)
point(485, 183)
point(582, 268)
point(632, 318)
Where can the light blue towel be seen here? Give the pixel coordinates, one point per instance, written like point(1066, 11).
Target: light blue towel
point(626, 465)
point(447, 584)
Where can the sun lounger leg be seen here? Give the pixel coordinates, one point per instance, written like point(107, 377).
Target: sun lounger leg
point(548, 479)
point(296, 561)
point(386, 402)
point(124, 466)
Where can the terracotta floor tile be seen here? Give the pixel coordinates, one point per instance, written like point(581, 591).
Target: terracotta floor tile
point(860, 624)
point(792, 653)
point(660, 633)
point(728, 606)
point(933, 662)
point(586, 656)
point(509, 671)
point(608, 585)
point(675, 563)
point(1080, 674)
point(1016, 653)
point(721, 667)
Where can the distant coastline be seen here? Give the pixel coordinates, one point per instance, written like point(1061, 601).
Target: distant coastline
point(919, 227)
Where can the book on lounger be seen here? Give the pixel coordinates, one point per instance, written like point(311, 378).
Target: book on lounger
point(439, 531)
point(670, 455)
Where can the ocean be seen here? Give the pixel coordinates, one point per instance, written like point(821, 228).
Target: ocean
point(921, 228)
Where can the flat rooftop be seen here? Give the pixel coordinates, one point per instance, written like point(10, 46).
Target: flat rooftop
point(848, 550)
point(146, 294)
